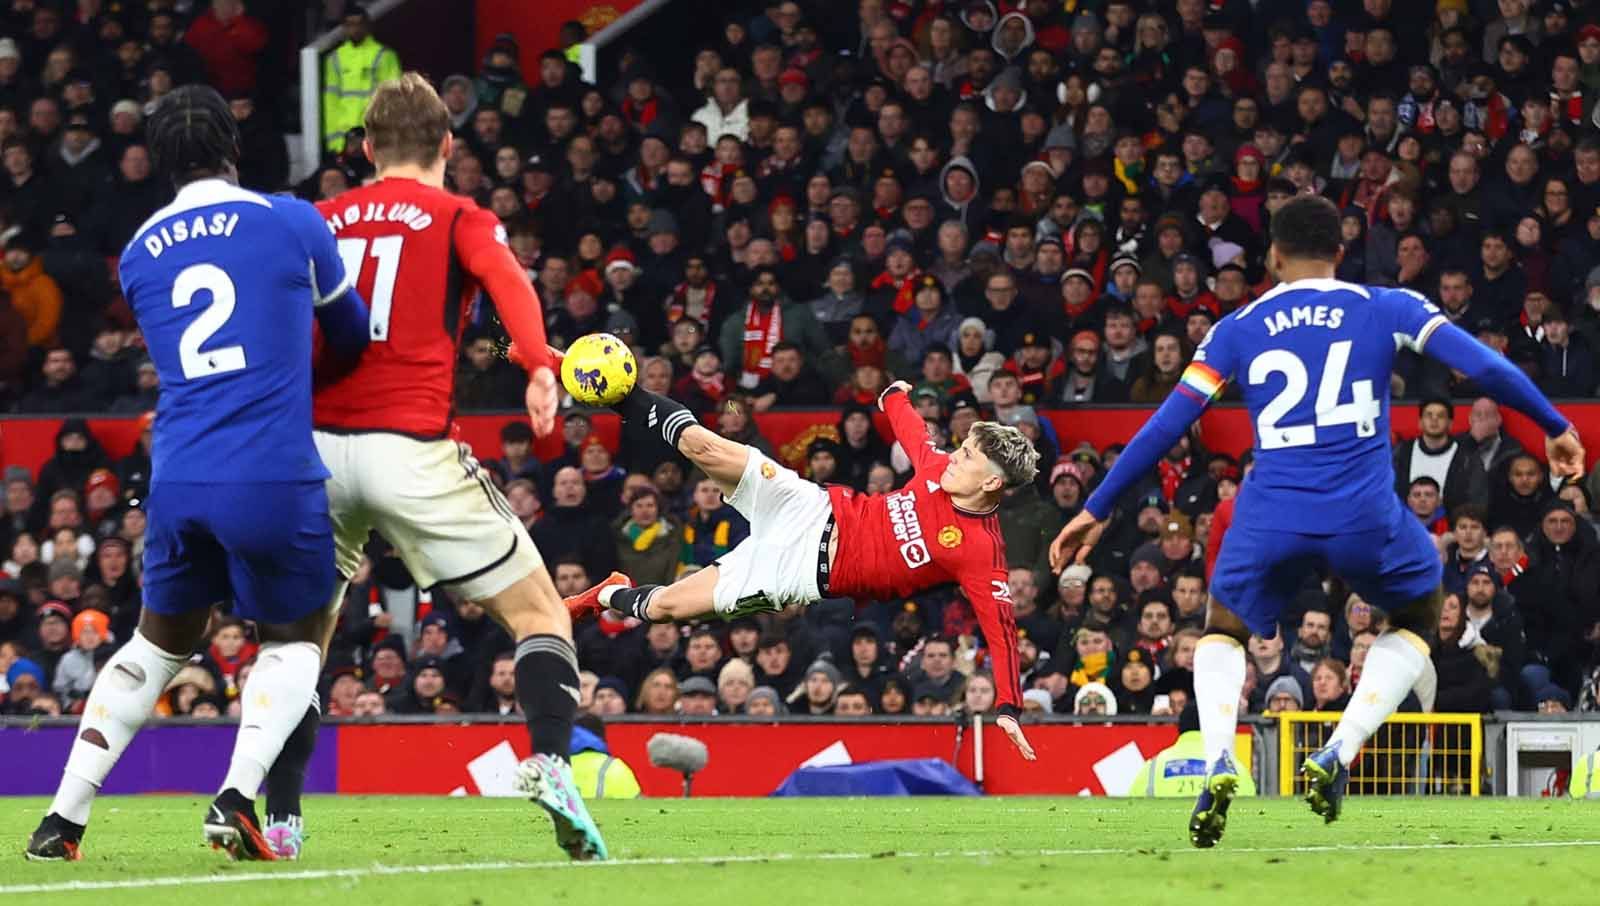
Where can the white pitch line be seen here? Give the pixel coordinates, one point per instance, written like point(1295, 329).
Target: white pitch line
point(469, 867)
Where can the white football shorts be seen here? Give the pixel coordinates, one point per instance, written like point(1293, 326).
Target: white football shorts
point(432, 501)
point(778, 564)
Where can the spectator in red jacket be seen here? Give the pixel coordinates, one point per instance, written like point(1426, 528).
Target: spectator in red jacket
point(229, 42)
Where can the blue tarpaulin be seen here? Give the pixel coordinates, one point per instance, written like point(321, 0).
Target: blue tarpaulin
point(900, 777)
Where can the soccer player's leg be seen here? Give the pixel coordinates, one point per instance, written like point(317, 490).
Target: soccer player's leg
point(285, 824)
point(453, 527)
point(282, 570)
point(782, 562)
point(1219, 672)
point(1255, 575)
point(1399, 573)
point(721, 459)
point(185, 573)
point(546, 668)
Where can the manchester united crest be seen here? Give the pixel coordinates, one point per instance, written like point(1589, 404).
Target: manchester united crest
point(949, 536)
point(769, 471)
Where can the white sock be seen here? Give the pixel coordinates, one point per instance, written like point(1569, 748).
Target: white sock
point(1394, 663)
point(609, 592)
point(1427, 685)
point(275, 700)
point(1218, 681)
point(121, 700)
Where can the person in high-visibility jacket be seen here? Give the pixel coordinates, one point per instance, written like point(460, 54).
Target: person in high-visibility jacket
point(350, 74)
point(1585, 782)
point(1180, 769)
point(597, 773)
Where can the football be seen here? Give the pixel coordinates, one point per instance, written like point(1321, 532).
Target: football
point(599, 370)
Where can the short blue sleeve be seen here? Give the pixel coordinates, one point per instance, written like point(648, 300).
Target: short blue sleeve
point(328, 278)
point(1410, 316)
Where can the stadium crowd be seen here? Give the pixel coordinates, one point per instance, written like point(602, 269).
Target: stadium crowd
point(1018, 207)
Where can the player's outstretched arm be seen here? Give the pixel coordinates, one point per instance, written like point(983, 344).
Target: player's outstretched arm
point(1506, 384)
point(1185, 404)
point(908, 427)
point(489, 260)
point(990, 595)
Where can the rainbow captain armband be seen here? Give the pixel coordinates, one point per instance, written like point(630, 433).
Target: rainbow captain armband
point(1202, 382)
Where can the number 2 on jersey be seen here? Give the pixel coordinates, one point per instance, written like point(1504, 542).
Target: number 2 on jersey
point(192, 281)
point(1362, 410)
point(386, 249)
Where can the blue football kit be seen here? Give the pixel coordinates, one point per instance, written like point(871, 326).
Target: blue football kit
point(1312, 359)
point(225, 283)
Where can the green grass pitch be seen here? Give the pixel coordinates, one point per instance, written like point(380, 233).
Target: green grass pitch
point(396, 851)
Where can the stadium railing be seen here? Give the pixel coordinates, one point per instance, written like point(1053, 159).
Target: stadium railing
point(310, 150)
point(1410, 755)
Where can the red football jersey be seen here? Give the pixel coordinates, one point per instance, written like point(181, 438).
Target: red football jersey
point(907, 541)
point(419, 255)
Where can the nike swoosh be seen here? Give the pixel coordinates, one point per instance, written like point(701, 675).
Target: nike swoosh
point(217, 817)
point(576, 698)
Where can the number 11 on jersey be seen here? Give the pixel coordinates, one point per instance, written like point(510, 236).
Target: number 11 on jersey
point(386, 249)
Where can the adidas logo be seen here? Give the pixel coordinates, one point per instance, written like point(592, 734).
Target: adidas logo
point(652, 417)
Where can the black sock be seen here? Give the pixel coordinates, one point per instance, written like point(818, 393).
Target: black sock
point(547, 688)
point(657, 412)
point(287, 778)
point(635, 602)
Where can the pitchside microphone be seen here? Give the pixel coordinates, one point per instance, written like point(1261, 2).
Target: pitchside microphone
point(683, 754)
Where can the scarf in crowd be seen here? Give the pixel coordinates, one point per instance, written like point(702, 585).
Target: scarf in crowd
point(1183, 308)
point(762, 331)
point(230, 666)
point(874, 354)
point(1572, 105)
point(1171, 476)
point(904, 289)
point(1517, 569)
point(642, 536)
point(1130, 175)
point(680, 304)
point(1091, 669)
point(716, 179)
point(642, 114)
point(713, 387)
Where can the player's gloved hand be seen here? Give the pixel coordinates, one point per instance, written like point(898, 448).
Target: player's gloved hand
point(542, 399)
point(1565, 453)
point(1014, 731)
point(897, 385)
point(1081, 534)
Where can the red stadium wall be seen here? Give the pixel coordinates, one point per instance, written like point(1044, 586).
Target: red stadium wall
point(30, 441)
point(537, 25)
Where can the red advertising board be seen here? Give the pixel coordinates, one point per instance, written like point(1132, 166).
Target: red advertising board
point(30, 441)
point(748, 759)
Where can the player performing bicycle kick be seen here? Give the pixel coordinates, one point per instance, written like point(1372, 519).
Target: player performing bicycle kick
point(808, 542)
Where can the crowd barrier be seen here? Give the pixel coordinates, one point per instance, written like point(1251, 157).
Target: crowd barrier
point(1411, 755)
point(29, 441)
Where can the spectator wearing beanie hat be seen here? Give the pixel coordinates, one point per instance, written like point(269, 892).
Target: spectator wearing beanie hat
point(91, 645)
point(1284, 694)
point(973, 359)
point(1085, 381)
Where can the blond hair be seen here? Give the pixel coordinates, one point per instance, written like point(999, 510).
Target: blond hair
point(1010, 451)
point(406, 122)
